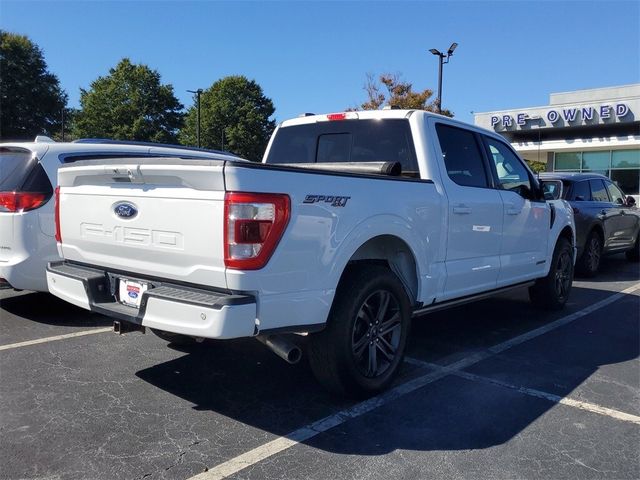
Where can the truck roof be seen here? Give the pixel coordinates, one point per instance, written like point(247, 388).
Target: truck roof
point(306, 119)
point(353, 115)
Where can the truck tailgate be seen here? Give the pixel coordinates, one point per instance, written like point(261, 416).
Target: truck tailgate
point(153, 217)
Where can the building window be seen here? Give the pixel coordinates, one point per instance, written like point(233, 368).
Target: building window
point(596, 162)
point(568, 161)
point(625, 159)
point(622, 166)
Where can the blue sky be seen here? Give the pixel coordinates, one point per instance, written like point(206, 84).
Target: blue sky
point(314, 56)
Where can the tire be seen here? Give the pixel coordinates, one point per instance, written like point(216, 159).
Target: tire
point(589, 262)
point(552, 291)
point(174, 338)
point(633, 255)
point(352, 356)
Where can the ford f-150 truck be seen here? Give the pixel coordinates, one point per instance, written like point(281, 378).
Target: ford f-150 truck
point(353, 223)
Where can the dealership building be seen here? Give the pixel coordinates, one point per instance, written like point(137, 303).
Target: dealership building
point(595, 130)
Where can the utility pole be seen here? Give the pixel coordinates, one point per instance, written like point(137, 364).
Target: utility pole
point(198, 92)
point(443, 58)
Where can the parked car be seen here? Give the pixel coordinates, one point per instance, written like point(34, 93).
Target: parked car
point(354, 222)
point(28, 174)
point(607, 220)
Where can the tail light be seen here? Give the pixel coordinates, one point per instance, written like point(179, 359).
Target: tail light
point(30, 190)
point(21, 201)
point(57, 214)
point(254, 224)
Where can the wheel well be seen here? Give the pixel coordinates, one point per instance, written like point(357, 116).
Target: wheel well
point(598, 229)
point(568, 234)
point(395, 254)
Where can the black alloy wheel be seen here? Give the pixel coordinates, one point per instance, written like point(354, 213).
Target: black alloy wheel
point(589, 263)
point(361, 349)
point(376, 333)
point(563, 275)
point(552, 292)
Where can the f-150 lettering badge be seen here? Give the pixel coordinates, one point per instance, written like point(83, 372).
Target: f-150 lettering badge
point(132, 236)
point(333, 200)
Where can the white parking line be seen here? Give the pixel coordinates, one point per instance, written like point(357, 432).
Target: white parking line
point(55, 338)
point(590, 407)
point(280, 444)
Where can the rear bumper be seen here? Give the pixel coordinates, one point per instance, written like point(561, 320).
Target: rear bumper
point(165, 306)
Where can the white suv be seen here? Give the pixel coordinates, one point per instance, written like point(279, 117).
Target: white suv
point(28, 174)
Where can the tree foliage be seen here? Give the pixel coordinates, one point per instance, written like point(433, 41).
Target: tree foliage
point(31, 100)
point(129, 104)
point(234, 116)
point(399, 94)
point(536, 167)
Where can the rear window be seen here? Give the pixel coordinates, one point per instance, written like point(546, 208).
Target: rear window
point(15, 166)
point(346, 141)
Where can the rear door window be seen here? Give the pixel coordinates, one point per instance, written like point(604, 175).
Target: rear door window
point(462, 156)
point(387, 140)
point(598, 191)
point(580, 192)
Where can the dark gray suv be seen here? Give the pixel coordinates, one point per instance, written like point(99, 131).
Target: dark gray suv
point(607, 221)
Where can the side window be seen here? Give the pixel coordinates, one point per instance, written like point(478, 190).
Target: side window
point(512, 174)
point(581, 192)
point(615, 193)
point(462, 156)
point(598, 191)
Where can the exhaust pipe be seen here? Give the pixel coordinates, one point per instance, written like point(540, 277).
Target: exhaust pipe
point(282, 347)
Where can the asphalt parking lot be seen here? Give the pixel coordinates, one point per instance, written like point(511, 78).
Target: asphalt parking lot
point(491, 390)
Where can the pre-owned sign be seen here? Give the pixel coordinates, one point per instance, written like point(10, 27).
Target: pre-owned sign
point(570, 115)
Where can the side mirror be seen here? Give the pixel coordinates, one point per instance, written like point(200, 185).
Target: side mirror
point(630, 201)
point(579, 198)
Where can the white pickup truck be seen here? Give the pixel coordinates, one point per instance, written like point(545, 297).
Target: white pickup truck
point(353, 223)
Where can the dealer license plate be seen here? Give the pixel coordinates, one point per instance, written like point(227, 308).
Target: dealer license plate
point(130, 292)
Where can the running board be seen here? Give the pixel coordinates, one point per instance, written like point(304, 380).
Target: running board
point(456, 302)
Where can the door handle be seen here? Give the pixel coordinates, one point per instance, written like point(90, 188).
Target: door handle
point(461, 209)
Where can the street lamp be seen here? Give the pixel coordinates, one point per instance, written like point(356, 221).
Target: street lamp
point(444, 58)
point(197, 92)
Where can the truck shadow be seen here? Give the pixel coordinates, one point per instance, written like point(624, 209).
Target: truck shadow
point(243, 381)
point(50, 310)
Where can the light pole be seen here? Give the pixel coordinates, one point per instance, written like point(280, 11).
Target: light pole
point(443, 58)
point(197, 92)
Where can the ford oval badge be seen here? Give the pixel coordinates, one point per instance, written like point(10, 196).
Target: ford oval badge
point(125, 210)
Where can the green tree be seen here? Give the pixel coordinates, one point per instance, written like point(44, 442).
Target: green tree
point(31, 100)
point(129, 104)
point(399, 94)
point(536, 167)
point(234, 116)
